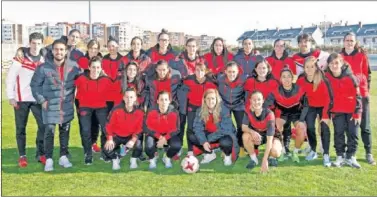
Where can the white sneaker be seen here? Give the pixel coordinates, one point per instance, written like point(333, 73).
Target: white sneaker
point(152, 163)
point(311, 156)
point(116, 164)
point(133, 162)
point(326, 160)
point(190, 153)
point(167, 162)
point(353, 162)
point(228, 160)
point(63, 161)
point(49, 165)
point(339, 161)
point(208, 158)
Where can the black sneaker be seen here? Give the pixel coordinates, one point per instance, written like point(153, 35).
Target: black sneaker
point(88, 160)
point(273, 162)
point(251, 164)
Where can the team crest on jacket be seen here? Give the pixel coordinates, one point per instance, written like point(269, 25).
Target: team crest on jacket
point(83, 113)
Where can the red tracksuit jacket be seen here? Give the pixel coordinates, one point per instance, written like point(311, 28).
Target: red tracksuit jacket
point(123, 123)
point(347, 98)
point(321, 97)
point(278, 64)
point(266, 87)
point(196, 89)
point(360, 68)
point(158, 124)
point(216, 63)
point(92, 93)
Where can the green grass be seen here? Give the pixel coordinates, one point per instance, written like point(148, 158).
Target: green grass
point(213, 179)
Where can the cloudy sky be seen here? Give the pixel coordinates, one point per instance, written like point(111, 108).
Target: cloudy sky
point(226, 19)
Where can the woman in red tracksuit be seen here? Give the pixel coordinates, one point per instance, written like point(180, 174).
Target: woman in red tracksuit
point(319, 95)
point(124, 126)
point(186, 61)
point(258, 128)
point(132, 78)
point(218, 57)
point(346, 111)
point(358, 60)
point(161, 129)
point(83, 62)
point(263, 81)
point(163, 79)
point(93, 86)
point(111, 66)
point(279, 59)
point(291, 106)
point(162, 50)
point(137, 55)
point(190, 98)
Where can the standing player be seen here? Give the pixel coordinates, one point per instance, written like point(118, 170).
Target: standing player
point(21, 99)
point(358, 60)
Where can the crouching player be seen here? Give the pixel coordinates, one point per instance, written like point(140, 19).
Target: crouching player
point(125, 125)
point(258, 128)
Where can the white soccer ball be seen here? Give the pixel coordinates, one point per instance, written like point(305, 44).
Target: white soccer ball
point(190, 164)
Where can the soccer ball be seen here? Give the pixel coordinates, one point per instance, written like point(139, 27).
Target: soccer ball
point(190, 164)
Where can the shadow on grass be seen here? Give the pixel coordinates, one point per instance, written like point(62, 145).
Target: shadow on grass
point(10, 165)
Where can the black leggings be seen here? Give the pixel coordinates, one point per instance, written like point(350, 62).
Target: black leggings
point(113, 154)
point(366, 134)
point(191, 113)
point(226, 143)
point(95, 124)
point(238, 115)
point(311, 130)
point(85, 118)
point(174, 145)
point(343, 124)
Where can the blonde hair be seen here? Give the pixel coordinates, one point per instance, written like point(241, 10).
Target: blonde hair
point(204, 113)
point(318, 76)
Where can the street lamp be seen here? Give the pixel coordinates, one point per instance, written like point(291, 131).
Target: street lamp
point(90, 21)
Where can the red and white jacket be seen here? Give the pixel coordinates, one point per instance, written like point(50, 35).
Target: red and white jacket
point(19, 78)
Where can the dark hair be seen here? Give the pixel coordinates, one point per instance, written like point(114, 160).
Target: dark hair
point(95, 59)
point(35, 36)
point(230, 64)
point(286, 69)
point(247, 38)
point(161, 62)
point(224, 52)
point(163, 31)
point(285, 52)
point(59, 41)
point(111, 38)
point(184, 53)
point(73, 31)
point(164, 92)
point(136, 37)
point(304, 36)
point(138, 78)
point(334, 56)
point(257, 62)
point(357, 45)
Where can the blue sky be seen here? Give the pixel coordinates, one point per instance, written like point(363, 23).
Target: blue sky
point(225, 19)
